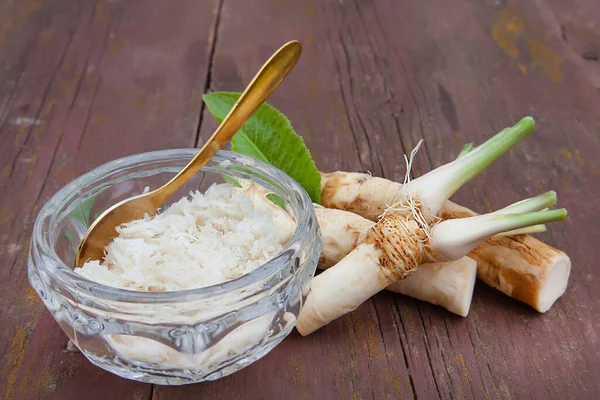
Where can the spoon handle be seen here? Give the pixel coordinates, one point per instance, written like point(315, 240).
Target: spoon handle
point(264, 83)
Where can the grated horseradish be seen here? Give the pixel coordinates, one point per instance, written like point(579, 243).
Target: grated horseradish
point(201, 240)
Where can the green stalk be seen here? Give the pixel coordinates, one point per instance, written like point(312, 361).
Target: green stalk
point(435, 187)
point(525, 231)
point(466, 149)
point(533, 204)
point(473, 163)
point(455, 238)
point(506, 222)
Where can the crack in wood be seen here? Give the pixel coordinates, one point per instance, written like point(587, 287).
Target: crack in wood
point(411, 94)
point(445, 364)
point(370, 303)
point(427, 350)
point(476, 359)
point(406, 352)
point(22, 62)
point(590, 55)
point(345, 104)
point(352, 355)
point(41, 106)
point(213, 38)
point(353, 96)
point(376, 61)
point(465, 375)
point(563, 33)
point(97, 83)
point(153, 392)
point(352, 99)
point(410, 378)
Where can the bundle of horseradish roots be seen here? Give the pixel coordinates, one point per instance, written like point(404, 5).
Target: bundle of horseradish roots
point(406, 237)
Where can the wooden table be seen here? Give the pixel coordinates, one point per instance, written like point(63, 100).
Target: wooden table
point(85, 82)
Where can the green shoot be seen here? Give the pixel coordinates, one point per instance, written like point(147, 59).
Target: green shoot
point(455, 238)
point(533, 204)
point(435, 187)
point(525, 231)
point(466, 149)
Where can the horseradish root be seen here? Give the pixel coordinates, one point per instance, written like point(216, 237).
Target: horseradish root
point(449, 285)
point(522, 266)
point(397, 245)
point(342, 231)
point(407, 236)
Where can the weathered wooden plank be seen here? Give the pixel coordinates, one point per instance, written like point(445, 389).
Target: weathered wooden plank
point(90, 82)
point(577, 22)
point(374, 78)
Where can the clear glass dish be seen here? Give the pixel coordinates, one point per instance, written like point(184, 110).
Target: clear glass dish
point(176, 337)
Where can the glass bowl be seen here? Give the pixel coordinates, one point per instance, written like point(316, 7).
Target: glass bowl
point(174, 337)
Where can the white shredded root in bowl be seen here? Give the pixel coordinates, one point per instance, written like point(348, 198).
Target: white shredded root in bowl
point(199, 241)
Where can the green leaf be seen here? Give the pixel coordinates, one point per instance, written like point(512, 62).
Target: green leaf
point(230, 180)
point(269, 137)
point(82, 212)
point(276, 199)
point(465, 150)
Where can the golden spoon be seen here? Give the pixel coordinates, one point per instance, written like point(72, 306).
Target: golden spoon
point(103, 230)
